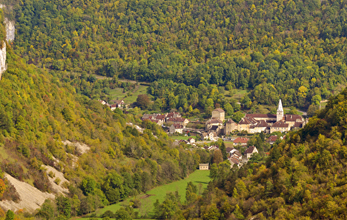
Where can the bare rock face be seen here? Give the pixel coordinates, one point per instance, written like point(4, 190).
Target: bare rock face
point(3, 66)
point(10, 30)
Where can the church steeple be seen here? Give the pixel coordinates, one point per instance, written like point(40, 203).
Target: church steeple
point(280, 114)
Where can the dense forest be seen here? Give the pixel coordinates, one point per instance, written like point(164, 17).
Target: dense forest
point(304, 177)
point(290, 49)
point(38, 111)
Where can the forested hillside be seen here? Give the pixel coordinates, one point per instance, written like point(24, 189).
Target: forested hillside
point(304, 177)
point(38, 112)
point(292, 49)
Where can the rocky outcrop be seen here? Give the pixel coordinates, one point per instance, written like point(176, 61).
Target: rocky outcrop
point(3, 66)
point(10, 34)
point(30, 197)
point(10, 30)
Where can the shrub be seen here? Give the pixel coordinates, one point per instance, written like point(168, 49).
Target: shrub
point(51, 174)
point(108, 214)
point(57, 181)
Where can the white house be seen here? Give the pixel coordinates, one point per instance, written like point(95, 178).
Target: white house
point(176, 128)
point(250, 151)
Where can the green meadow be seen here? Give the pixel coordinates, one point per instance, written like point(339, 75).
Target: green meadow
point(200, 178)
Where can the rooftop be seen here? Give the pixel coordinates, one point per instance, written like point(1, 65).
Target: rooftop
point(219, 110)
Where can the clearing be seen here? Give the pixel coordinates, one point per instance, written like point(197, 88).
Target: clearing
point(200, 178)
point(117, 94)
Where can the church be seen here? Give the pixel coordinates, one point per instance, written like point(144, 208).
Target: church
point(267, 123)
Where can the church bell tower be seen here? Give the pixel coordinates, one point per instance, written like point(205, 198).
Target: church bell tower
point(280, 114)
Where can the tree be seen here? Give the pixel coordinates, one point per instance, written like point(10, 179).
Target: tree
point(191, 191)
point(237, 116)
point(217, 157)
point(122, 214)
point(228, 109)
point(9, 215)
point(88, 185)
point(224, 151)
point(63, 206)
point(143, 101)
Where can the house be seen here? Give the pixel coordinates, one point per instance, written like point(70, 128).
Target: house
point(178, 120)
point(234, 161)
point(118, 104)
point(241, 141)
point(191, 141)
point(272, 139)
point(218, 113)
point(213, 147)
point(176, 128)
point(212, 135)
point(229, 149)
point(102, 102)
point(203, 166)
point(236, 155)
point(183, 141)
point(204, 136)
point(250, 151)
point(173, 115)
point(113, 107)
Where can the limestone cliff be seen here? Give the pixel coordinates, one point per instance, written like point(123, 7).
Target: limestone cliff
point(3, 65)
point(10, 30)
point(10, 33)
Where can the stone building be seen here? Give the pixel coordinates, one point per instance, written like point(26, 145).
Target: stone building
point(203, 166)
point(218, 113)
point(268, 123)
point(230, 126)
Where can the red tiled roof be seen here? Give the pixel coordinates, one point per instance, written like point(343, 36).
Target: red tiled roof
point(261, 115)
point(272, 138)
point(298, 125)
point(161, 117)
point(234, 160)
point(247, 120)
point(262, 124)
point(249, 150)
point(171, 114)
point(228, 149)
point(241, 140)
point(177, 119)
point(219, 110)
point(280, 124)
point(292, 117)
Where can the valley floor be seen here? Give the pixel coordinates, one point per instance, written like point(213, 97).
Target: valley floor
point(200, 178)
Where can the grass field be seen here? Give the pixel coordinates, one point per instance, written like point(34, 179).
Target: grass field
point(199, 178)
point(180, 137)
point(117, 94)
point(240, 94)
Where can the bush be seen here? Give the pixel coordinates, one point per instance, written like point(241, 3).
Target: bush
point(57, 181)
point(51, 174)
point(108, 214)
point(136, 203)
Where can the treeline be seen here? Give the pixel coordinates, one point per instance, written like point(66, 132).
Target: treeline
point(38, 111)
point(303, 177)
point(291, 49)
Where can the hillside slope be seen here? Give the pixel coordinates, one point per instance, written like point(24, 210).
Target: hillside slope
point(291, 49)
point(38, 113)
point(304, 176)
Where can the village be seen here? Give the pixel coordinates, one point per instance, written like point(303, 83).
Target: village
point(218, 127)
